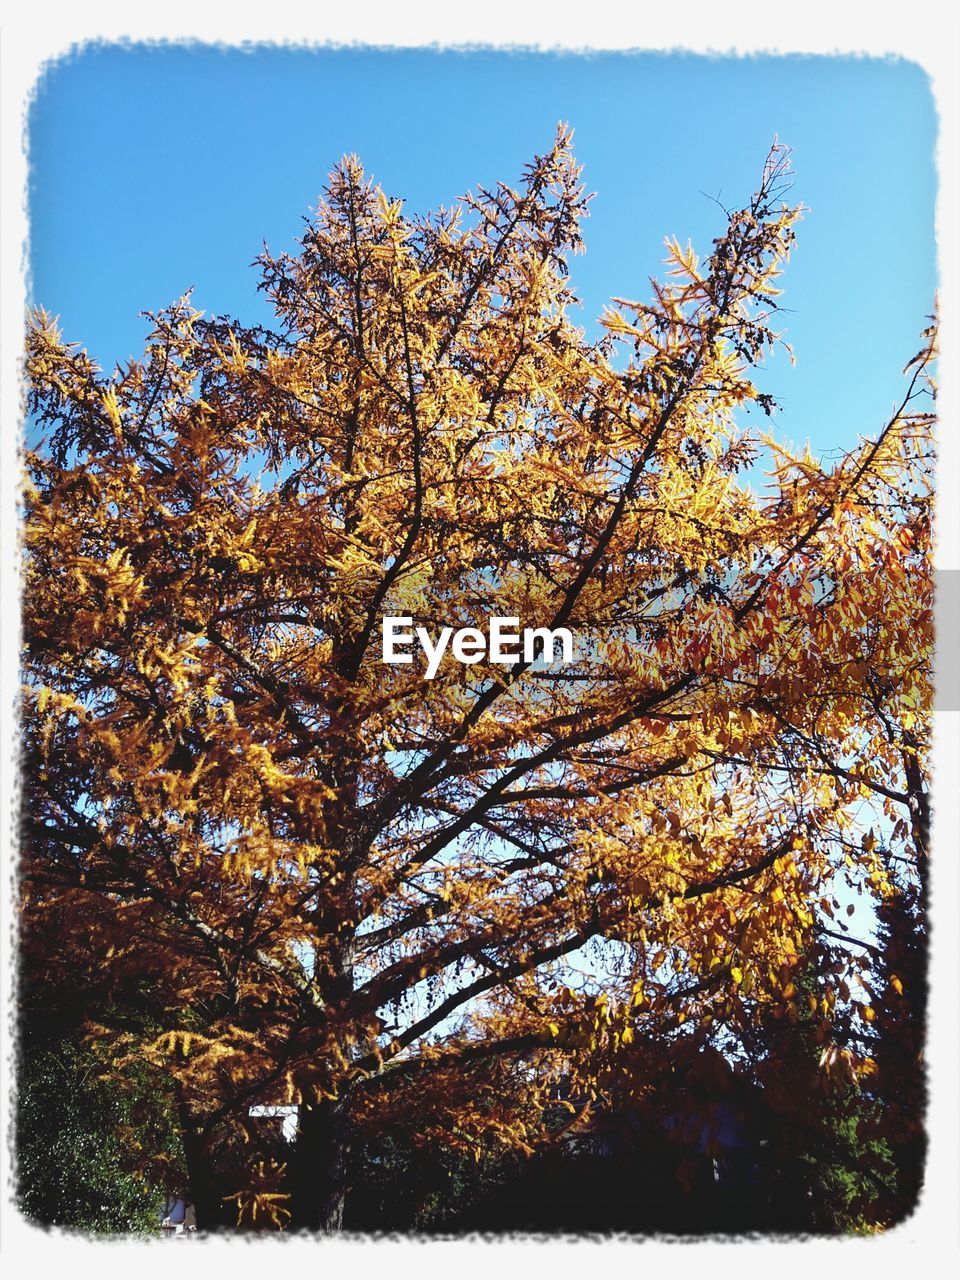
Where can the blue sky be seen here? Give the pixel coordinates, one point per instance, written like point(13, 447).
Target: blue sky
point(156, 168)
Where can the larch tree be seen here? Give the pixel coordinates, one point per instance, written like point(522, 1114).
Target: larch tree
point(296, 873)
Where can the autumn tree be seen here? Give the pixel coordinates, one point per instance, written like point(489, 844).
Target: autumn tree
point(313, 877)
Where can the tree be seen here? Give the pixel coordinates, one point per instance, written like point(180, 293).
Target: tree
point(97, 1149)
point(818, 1173)
point(843, 1063)
point(312, 873)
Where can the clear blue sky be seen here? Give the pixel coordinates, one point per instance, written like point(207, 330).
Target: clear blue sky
point(154, 168)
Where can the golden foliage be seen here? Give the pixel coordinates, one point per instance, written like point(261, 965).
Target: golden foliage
point(316, 870)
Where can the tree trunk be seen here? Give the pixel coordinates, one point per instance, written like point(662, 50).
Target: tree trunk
point(919, 806)
point(318, 1167)
point(203, 1190)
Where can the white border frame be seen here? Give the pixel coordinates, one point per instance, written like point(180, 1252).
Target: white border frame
point(919, 31)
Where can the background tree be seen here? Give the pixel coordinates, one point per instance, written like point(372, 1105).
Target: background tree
point(97, 1148)
point(338, 874)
